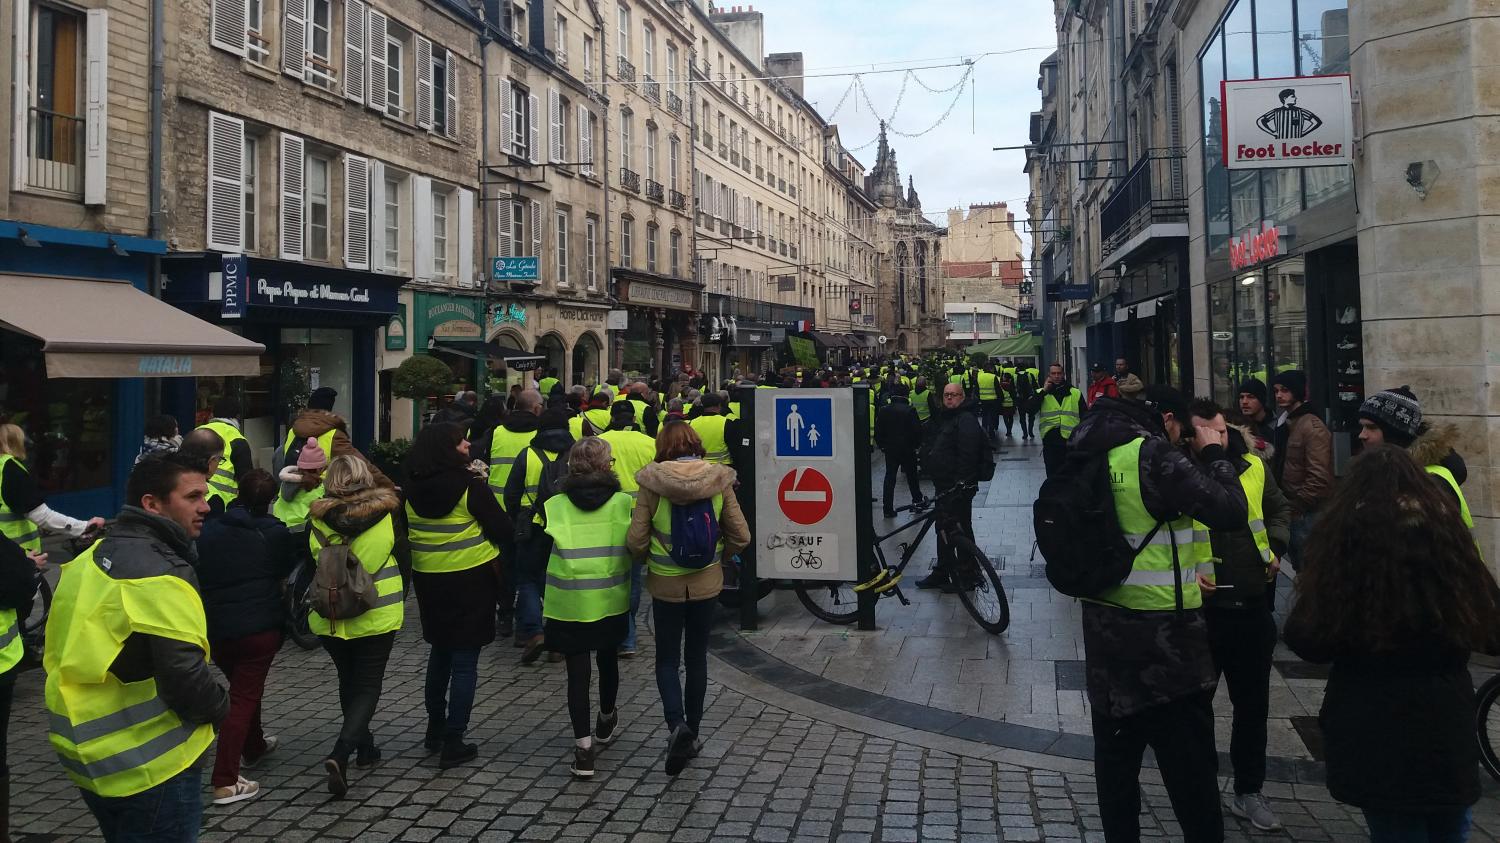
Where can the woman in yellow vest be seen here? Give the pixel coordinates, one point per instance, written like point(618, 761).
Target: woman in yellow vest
point(23, 510)
point(357, 512)
point(587, 598)
point(683, 600)
point(17, 590)
point(454, 526)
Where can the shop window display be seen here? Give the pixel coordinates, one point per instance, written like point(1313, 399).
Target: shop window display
point(67, 420)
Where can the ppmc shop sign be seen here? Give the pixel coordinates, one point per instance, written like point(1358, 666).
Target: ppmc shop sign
point(805, 516)
point(1298, 122)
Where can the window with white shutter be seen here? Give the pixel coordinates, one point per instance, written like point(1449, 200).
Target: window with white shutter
point(356, 48)
point(585, 141)
point(96, 115)
point(226, 193)
point(376, 90)
point(536, 229)
point(465, 237)
point(294, 39)
point(506, 209)
point(356, 212)
point(378, 262)
point(290, 216)
point(424, 82)
point(228, 26)
point(533, 147)
point(421, 215)
point(450, 123)
point(507, 118)
point(591, 251)
point(555, 125)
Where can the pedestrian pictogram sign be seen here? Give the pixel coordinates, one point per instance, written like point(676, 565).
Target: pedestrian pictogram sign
point(805, 495)
point(804, 428)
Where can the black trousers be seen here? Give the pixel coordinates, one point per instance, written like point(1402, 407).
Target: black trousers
point(1054, 451)
point(578, 687)
point(901, 461)
point(1181, 734)
point(360, 663)
point(961, 509)
point(1028, 424)
point(1243, 641)
point(990, 411)
point(1009, 415)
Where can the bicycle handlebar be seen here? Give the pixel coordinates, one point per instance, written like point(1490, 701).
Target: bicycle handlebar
point(928, 503)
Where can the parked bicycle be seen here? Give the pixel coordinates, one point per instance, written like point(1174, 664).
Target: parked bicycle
point(298, 606)
point(1487, 725)
point(33, 624)
point(979, 587)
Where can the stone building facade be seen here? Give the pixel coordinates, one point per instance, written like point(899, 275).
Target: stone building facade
point(910, 297)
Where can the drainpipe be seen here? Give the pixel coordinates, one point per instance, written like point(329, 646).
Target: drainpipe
point(615, 359)
point(154, 171)
point(483, 193)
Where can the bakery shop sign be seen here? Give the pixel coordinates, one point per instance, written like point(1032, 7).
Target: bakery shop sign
point(1255, 247)
point(1299, 122)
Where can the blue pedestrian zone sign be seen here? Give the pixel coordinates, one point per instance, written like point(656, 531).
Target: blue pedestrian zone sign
point(804, 428)
point(516, 269)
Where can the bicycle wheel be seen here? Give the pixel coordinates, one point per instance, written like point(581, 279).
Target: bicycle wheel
point(834, 602)
point(36, 620)
point(1487, 725)
point(298, 609)
point(979, 587)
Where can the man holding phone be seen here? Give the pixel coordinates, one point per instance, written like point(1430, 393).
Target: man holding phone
point(1237, 607)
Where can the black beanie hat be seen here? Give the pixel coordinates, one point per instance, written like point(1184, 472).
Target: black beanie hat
point(1294, 381)
point(1397, 412)
point(322, 398)
point(1253, 386)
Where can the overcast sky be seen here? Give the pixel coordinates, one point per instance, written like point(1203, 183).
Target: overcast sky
point(953, 164)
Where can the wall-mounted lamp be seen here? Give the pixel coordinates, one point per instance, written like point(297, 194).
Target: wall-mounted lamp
point(117, 249)
point(1422, 175)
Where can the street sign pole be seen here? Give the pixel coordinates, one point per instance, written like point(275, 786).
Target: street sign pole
point(863, 519)
point(749, 581)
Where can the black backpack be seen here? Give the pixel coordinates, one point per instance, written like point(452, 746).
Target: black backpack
point(553, 471)
point(1078, 531)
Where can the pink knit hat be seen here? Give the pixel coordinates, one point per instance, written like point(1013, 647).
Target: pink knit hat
point(312, 457)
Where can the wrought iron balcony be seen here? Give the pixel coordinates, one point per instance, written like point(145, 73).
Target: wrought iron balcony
point(674, 103)
point(655, 191)
point(652, 89)
point(630, 180)
point(677, 200)
point(1153, 193)
point(626, 70)
point(54, 153)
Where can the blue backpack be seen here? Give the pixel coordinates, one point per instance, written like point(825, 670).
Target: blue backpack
point(695, 534)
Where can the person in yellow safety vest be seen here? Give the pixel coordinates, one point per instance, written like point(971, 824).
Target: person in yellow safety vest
point(301, 484)
point(1148, 663)
point(236, 460)
point(525, 493)
point(1008, 402)
point(714, 429)
point(131, 698)
point(987, 384)
point(18, 569)
point(547, 383)
point(207, 445)
point(23, 510)
point(1237, 609)
point(455, 528)
point(1394, 417)
point(595, 419)
point(358, 512)
point(921, 399)
point(587, 602)
point(1028, 399)
point(319, 421)
point(633, 451)
point(503, 445)
point(1062, 407)
point(684, 601)
point(645, 414)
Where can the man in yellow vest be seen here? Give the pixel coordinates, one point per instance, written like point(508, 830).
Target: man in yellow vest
point(1237, 608)
point(526, 491)
point(1028, 388)
point(713, 428)
point(1148, 666)
point(131, 698)
point(1062, 409)
point(987, 386)
point(237, 459)
point(633, 451)
point(1394, 417)
point(504, 445)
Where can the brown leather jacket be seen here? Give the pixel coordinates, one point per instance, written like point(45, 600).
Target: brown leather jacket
point(1305, 460)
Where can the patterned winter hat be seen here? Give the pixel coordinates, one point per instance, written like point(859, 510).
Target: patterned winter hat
point(1397, 411)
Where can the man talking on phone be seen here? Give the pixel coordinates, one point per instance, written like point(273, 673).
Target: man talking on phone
point(1237, 607)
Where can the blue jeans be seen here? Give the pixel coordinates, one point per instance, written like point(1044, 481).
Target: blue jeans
point(1451, 826)
point(682, 628)
point(452, 675)
point(167, 813)
point(637, 578)
point(531, 576)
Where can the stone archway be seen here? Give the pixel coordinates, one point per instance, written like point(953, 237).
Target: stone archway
point(551, 346)
point(587, 354)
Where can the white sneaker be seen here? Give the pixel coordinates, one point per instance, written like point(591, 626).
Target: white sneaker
point(241, 790)
point(1257, 809)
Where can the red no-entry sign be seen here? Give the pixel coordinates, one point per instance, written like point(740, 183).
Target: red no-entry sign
point(805, 495)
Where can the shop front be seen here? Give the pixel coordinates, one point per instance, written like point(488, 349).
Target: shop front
point(1282, 265)
point(662, 331)
point(319, 326)
point(1151, 320)
point(450, 328)
point(511, 338)
point(75, 357)
point(577, 330)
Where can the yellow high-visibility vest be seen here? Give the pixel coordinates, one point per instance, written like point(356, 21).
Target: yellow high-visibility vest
point(223, 484)
point(505, 446)
point(1061, 415)
point(452, 543)
point(15, 525)
point(588, 572)
point(376, 549)
point(711, 430)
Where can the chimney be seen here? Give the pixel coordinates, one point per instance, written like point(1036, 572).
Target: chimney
point(1010, 220)
point(786, 64)
point(955, 217)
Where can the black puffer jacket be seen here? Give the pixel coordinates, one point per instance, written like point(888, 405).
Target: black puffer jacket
point(1134, 659)
point(242, 561)
point(1240, 564)
point(956, 446)
point(898, 428)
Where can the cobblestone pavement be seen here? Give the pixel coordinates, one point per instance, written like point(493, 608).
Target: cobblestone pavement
point(778, 764)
